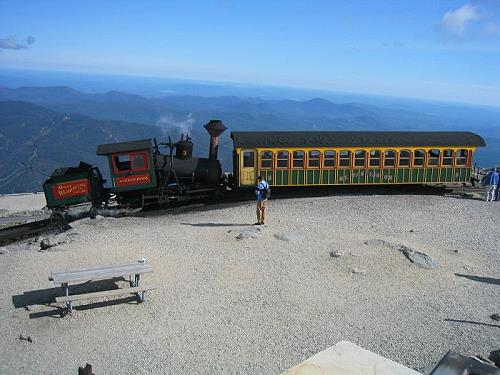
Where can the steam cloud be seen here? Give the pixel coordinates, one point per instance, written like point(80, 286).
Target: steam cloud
point(168, 123)
point(11, 43)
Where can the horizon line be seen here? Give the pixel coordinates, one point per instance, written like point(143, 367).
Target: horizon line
point(243, 84)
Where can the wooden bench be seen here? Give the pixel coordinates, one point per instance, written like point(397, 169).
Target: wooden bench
point(131, 270)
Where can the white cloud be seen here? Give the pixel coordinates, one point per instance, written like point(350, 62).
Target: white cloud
point(455, 21)
point(492, 29)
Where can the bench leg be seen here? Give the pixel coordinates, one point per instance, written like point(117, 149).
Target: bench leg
point(134, 280)
point(141, 296)
point(69, 304)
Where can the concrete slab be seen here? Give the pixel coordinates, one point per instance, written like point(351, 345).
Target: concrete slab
point(346, 358)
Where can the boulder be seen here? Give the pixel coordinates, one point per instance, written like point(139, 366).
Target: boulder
point(417, 258)
point(248, 233)
point(289, 236)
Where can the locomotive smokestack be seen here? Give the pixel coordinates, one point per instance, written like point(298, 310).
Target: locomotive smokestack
point(215, 128)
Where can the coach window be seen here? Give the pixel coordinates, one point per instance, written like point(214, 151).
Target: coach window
point(266, 159)
point(313, 159)
point(433, 159)
point(447, 158)
point(375, 158)
point(389, 158)
point(298, 159)
point(359, 158)
point(462, 156)
point(282, 159)
point(419, 158)
point(404, 158)
point(248, 159)
point(329, 159)
point(122, 162)
point(344, 158)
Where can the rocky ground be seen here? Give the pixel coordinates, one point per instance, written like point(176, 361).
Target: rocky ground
point(406, 276)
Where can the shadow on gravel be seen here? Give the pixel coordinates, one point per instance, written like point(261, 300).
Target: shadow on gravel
point(60, 312)
point(481, 279)
point(45, 298)
point(216, 224)
point(472, 322)
point(466, 196)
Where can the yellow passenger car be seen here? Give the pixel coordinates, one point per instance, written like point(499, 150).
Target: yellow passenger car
point(353, 158)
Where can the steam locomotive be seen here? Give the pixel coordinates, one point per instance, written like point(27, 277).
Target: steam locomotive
point(142, 176)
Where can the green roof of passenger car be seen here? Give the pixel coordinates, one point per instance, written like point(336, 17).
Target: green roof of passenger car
point(273, 139)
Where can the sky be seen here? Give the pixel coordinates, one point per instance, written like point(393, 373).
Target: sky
point(429, 49)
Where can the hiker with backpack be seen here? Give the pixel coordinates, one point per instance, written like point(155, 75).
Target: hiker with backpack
point(263, 193)
point(492, 179)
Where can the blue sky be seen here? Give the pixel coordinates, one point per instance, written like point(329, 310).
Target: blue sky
point(444, 50)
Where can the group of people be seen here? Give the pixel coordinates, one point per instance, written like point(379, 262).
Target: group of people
point(493, 180)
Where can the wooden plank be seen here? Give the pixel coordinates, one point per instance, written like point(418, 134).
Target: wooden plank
point(105, 293)
point(99, 273)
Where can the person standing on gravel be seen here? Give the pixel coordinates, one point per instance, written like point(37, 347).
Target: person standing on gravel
point(262, 193)
point(492, 179)
point(497, 198)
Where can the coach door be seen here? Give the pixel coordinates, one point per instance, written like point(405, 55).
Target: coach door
point(248, 167)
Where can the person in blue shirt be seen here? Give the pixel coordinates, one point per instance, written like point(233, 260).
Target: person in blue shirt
point(497, 198)
point(261, 193)
point(492, 179)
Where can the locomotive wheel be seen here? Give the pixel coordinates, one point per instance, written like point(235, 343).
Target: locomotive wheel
point(58, 218)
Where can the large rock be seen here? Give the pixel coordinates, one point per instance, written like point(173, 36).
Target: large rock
point(419, 259)
point(248, 233)
point(289, 236)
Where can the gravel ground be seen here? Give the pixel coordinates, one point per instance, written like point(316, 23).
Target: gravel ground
point(261, 304)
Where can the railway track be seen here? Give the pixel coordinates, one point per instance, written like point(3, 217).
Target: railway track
point(24, 231)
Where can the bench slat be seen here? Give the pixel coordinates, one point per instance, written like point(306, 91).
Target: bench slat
point(99, 273)
point(106, 293)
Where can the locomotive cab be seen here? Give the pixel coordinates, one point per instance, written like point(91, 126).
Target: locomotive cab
point(131, 165)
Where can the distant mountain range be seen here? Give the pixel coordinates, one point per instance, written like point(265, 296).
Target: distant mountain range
point(42, 128)
point(35, 140)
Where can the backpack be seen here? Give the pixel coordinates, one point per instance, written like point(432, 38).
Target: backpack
point(266, 192)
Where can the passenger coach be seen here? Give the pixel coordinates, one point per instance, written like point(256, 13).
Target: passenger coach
point(353, 158)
